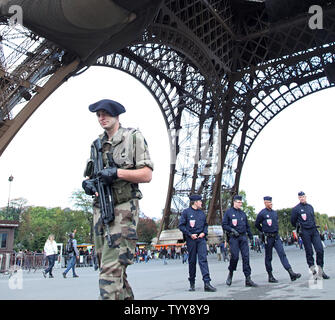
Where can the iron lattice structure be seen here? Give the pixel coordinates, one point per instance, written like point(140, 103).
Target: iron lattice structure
point(220, 71)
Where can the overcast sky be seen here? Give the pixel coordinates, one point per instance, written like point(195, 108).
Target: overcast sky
point(48, 155)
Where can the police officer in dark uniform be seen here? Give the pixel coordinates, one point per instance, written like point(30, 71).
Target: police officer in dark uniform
point(303, 216)
point(267, 223)
point(235, 223)
point(194, 227)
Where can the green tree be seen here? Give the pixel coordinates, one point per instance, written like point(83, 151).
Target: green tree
point(284, 222)
point(84, 203)
point(146, 229)
point(331, 226)
point(14, 210)
point(249, 211)
point(38, 222)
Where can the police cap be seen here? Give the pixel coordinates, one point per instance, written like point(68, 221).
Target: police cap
point(195, 197)
point(237, 197)
point(301, 193)
point(267, 198)
point(112, 107)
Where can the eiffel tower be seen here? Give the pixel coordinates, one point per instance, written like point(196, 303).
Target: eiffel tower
point(220, 71)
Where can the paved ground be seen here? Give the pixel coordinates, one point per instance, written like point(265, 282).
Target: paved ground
point(155, 281)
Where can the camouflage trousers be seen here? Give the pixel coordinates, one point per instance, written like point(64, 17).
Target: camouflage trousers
point(113, 261)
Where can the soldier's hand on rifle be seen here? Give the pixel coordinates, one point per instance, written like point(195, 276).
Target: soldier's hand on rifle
point(108, 175)
point(89, 187)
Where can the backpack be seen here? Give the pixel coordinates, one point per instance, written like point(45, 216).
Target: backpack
point(69, 246)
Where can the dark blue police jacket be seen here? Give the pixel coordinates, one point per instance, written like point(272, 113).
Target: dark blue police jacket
point(303, 214)
point(236, 219)
point(193, 222)
point(267, 221)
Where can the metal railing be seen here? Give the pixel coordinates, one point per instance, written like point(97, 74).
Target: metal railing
point(11, 262)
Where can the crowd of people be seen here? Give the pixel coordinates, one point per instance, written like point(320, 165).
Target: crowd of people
point(165, 253)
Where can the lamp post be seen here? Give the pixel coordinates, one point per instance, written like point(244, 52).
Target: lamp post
point(10, 179)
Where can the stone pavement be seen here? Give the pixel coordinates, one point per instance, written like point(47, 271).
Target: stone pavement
point(156, 281)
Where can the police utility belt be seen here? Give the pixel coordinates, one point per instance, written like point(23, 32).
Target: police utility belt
point(271, 234)
point(267, 235)
point(232, 234)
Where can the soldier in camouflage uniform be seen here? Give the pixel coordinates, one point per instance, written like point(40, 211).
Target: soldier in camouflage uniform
point(133, 165)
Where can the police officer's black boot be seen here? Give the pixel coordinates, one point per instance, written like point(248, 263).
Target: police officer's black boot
point(230, 278)
point(209, 287)
point(272, 279)
point(322, 273)
point(294, 276)
point(192, 287)
point(249, 282)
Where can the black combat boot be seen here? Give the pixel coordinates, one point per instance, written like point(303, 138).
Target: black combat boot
point(322, 273)
point(294, 276)
point(209, 287)
point(230, 278)
point(192, 287)
point(272, 279)
point(249, 282)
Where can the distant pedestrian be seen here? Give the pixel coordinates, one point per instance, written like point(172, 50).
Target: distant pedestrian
point(223, 248)
point(218, 252)
point(184, 254)
point(95, 259)
point(258, 245)
point(164, 254)
point(225, 251)
point(73, 254)
point(50, 250)
point(178, 251)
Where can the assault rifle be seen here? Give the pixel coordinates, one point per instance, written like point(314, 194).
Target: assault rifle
point(106, 199)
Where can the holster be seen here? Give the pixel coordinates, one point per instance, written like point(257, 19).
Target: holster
point(299, 230)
